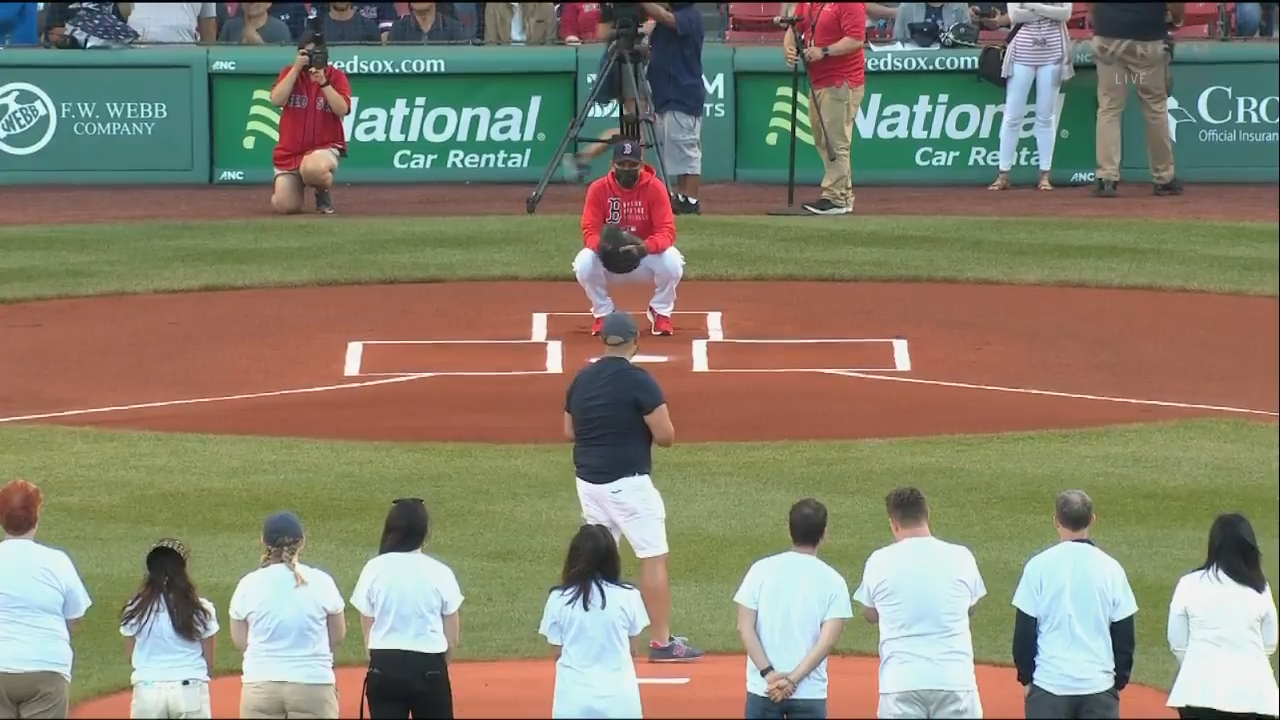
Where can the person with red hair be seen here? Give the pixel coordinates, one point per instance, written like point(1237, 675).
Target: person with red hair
point(42, 599)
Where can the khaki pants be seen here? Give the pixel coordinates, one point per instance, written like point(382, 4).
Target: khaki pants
point(1145, 66)
point(278, 700)
point(37, 695)
point(839, 108)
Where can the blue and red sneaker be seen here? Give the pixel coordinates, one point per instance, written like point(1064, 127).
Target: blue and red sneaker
point(677, 650)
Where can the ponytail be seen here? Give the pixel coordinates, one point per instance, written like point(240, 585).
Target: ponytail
point(285, 554)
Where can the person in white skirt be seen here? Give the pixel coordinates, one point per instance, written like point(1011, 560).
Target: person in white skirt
point(1039, 53)
point(1223, 630)
point(170, 633)
point(592, 618)
point(287, 618)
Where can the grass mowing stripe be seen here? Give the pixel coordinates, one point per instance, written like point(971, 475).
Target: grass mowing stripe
point(48, 261)
point(503, 515)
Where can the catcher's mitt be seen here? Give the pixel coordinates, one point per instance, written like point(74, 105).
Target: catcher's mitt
point(620, 252)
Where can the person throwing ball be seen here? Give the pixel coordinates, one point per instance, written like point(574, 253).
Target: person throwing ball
point(614, 412)
point(629, 234)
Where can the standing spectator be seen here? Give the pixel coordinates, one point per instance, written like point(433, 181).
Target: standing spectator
point(344, 24)
point(1073, 633)
point(921, 591)
point(508, 23)
point(424, 24)
point(679, 97)
point(170, 634)
point(1222, 629)
point(792, 608)
point(42, 599)
point(18, 24)
point(1129, 48)
point(835, 35)
point(591, 618)
point(580, 23)
point(175, 22)
point(255, 26)
point(287, 619)
point(408, 604)
point(1040, 53)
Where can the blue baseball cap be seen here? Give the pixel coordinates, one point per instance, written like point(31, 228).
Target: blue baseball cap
point(281, 528)
point(618, 328)
point(627, 150)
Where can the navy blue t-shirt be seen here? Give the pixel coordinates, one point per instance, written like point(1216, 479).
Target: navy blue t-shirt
point(609, 400)
point(675, 64)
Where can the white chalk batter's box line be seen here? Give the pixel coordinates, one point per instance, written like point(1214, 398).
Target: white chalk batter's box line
point(538, 328)
point(901, 355)
point(351, 365)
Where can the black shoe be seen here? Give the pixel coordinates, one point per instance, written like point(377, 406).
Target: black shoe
point(690, 207)
point(1105, 189)
point(1173, 187)
point(324, 202)
point(826, 207)
point(677, 204)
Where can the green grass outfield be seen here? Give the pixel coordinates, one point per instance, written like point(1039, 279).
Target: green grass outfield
point(504, 513)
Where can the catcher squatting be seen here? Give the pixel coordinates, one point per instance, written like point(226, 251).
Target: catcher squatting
point(629, 235)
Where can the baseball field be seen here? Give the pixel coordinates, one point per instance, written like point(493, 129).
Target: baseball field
point(176, 362)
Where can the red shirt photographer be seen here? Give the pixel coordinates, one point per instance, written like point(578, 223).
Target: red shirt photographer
point(824, 25)
point(307, 121)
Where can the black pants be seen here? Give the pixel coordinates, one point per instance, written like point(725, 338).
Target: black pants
point(403, 684)
point(1198, 713)
point(1044, 705)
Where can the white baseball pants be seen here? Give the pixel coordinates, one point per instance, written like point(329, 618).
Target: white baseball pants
point(664, 270)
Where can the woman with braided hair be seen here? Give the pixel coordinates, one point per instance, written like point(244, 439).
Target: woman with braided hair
point(169, 633)
point(287, 618)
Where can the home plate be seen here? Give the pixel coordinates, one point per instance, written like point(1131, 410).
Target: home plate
point(644, 359)
point(662, 681)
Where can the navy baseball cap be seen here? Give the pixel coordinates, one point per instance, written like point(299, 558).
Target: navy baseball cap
point(627, 150)
point(281, 528)
point(618, 329)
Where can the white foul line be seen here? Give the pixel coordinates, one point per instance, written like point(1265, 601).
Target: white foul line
point(901, 355)
point(223, 398)
point(1053, 393)
point(355, 353)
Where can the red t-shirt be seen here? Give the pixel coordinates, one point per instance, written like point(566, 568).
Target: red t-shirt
point(306, 122)
point(825, 24)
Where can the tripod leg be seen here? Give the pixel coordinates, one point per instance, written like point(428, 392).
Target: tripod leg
point(573, 135)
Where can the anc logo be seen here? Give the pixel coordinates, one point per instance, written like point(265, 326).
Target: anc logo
point(780, 123)
point(28, 119)
point(269, 124)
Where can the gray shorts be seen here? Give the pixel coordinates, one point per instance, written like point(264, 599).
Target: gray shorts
point(680, 136)
point(332, 152)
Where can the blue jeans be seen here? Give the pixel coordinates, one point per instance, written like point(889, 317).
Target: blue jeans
point(762, 708)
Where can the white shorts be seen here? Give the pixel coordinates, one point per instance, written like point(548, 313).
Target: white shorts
point(171, 700)
point(630, 507)
point(337, 158)
point(930, 704)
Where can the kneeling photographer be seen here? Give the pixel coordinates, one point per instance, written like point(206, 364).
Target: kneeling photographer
point(679, 96)
point(314, 98)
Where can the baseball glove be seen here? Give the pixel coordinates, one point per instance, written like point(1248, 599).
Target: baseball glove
point(620, 252)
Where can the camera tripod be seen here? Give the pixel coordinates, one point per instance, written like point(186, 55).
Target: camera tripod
point(634, 125)
point(800, 67)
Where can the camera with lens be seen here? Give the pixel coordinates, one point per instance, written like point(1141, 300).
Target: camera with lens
point(319, 54)
point(627, 19)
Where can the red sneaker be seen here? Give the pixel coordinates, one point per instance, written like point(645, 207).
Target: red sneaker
point(661, 324)
point(596, 325)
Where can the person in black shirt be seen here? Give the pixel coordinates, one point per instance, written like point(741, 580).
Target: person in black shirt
point(425, 23)
point(342, 24)
point(1130, 47)
point(614, 412)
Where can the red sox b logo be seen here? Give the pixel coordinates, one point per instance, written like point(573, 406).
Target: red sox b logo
point(614, 215)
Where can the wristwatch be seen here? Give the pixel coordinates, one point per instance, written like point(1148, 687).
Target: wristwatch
point(826, 52)
point(765, 672)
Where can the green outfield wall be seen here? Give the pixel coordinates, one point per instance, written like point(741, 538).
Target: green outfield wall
point(423, 114)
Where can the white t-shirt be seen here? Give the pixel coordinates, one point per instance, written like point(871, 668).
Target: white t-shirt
point(407, 594)
point(793, 594)
point(288, 625)
point(922, 589)
point(39, 593)
point(161, 655)
point(169, 22)
point(1074, 591)
point(595, 645)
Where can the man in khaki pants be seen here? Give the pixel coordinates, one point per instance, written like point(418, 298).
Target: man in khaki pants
point(833, 35)
point(1129, 49)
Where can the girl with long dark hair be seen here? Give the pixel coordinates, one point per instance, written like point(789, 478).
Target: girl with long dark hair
point(408, 603)
point(592, 618)
point(1222, 629)
point(169, 632)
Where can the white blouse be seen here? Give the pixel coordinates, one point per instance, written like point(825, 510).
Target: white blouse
point(1222, 634)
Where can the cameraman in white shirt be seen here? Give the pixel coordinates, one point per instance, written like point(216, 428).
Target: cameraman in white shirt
point(792, 608)
point(920, 591)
